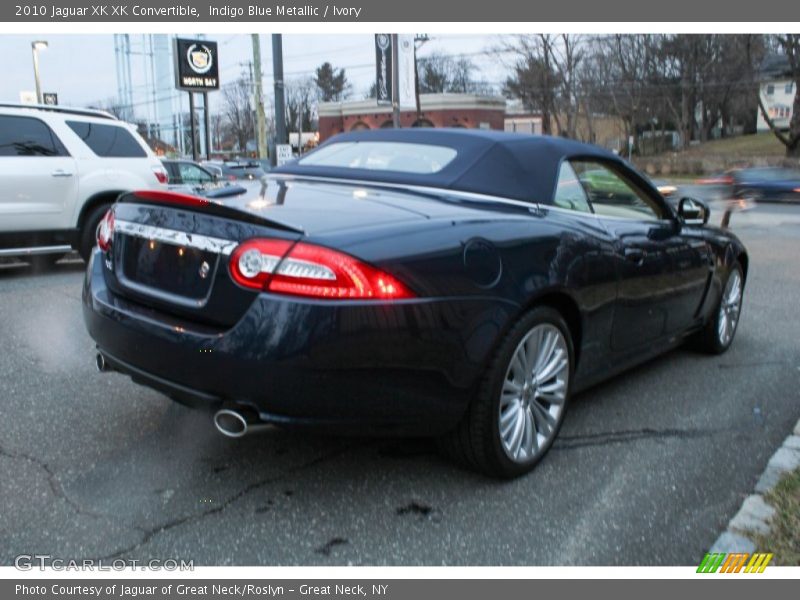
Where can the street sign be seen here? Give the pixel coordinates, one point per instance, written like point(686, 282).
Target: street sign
point(50, 98)
point(27, 97)
point(383, 67)
point(283, 154)
point(196, 65)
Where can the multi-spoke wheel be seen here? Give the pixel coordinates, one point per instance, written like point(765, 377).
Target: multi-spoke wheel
point(729, 307)
point(516, 415)
point(718, 333)
point(533, 393)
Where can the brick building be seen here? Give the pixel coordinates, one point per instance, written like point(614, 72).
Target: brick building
point(436, 110)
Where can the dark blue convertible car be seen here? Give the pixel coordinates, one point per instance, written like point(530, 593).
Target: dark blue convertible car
point(454, 283)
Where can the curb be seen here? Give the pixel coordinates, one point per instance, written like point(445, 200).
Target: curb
point(755, 514)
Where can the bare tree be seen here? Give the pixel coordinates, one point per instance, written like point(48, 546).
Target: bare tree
point(300, 104)
point(546, 77)
point(439, 73)
point(239, 112)
point(790, 45)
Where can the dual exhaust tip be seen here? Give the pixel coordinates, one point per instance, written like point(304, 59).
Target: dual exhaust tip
point(234, 422)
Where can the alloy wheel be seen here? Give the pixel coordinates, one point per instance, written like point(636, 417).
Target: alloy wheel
point(534, 392)
point(729, 308)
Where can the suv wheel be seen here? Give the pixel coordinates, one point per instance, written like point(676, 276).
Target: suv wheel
point(88, 234)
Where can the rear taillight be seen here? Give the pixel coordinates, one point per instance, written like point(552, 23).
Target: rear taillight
point(161, 174)
point(105, 231)
point(311, 271)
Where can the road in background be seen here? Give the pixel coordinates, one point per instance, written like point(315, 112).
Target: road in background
point(648, 468)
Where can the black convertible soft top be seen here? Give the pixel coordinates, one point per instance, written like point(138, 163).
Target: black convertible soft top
point(511, 165)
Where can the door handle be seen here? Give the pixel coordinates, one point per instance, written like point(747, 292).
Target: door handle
point(61, 173)
point(635, 255)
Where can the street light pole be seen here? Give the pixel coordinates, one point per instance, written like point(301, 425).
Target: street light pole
point(35, 47)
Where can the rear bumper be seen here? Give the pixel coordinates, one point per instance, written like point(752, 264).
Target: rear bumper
point(405, 367)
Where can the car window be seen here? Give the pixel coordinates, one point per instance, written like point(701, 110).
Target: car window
point(26, 136)
point(192, 173)
point(613, 195)
point(569, 190)
point(108, 141)
point(401, 157)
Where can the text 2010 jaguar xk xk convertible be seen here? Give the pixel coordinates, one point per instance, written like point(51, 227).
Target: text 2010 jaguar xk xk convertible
point(446, 282)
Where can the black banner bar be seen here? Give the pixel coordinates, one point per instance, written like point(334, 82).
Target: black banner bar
point(730, 587)
point(709, 11)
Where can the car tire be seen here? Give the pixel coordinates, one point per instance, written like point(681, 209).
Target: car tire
point(717, 335)
point(88, 234)
point(510, 423)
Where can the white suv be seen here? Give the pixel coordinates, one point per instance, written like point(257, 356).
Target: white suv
point(60, 170)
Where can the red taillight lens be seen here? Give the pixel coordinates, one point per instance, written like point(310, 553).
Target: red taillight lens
point(311, 271)
point(253, 262)
point(105, 231)
point(161, 174)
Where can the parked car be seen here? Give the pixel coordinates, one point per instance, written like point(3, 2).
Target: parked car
point(189, 176)
point(214, 168)
point(61, 169)
point(234, 170)
point(757, 184)
point(456, 283)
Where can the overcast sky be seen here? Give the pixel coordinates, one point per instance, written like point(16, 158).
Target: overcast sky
point(81, 68)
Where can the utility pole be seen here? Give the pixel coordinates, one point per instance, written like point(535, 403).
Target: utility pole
point(395, 83)
point(280, 99)
point(261, 121)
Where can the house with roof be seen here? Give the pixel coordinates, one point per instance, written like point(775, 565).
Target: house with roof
point(777, 90)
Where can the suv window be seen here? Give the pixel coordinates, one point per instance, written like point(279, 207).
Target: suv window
point(612, 195)
point(189, 173)
point(108, 141)
point(569, 190)
point(26, 136)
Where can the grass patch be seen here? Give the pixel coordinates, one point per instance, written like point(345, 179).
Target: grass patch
point(784, 539)
point(758, 144)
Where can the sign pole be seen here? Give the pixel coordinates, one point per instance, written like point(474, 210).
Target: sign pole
point(207, 125)
point(192, 126)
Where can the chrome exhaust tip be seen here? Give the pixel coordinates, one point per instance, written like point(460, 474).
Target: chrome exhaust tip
point(101, 363)
point(230, 423)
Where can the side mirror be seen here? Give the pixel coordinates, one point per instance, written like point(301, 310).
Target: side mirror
point(693, 211)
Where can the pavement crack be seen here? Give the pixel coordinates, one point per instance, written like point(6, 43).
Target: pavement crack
point(567, 442)
point(149, 534)
point(55, 486)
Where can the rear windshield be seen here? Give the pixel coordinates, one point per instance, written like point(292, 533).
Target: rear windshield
point(109, 141)
point(400, 157)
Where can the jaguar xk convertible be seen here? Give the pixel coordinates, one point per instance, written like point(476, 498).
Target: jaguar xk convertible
point(452, 283)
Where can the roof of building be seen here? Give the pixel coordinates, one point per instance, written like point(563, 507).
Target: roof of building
point(775, 66)
point(512, 165)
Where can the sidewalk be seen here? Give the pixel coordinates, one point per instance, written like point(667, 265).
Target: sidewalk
point(754, 517)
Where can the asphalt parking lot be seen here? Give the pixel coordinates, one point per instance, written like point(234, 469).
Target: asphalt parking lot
point(648, 468)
